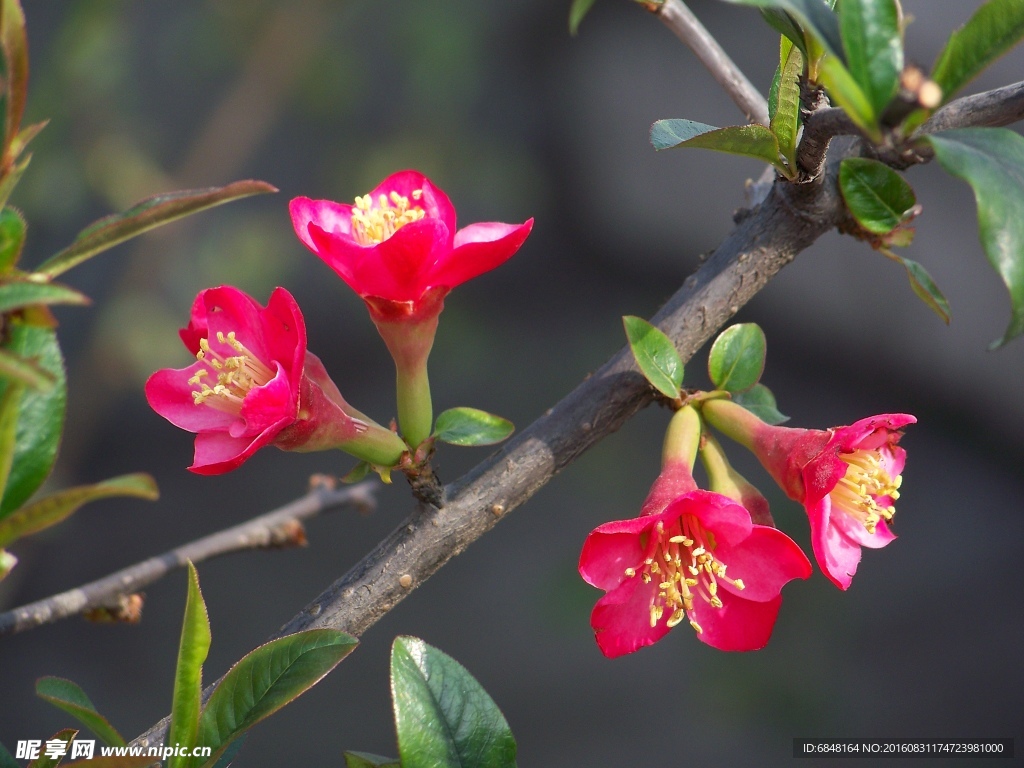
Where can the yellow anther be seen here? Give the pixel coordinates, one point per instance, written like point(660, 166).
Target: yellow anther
point(646, 577)
point(716, 602)
point(631, 572)
point(696, 626)
point(738, 583)
point(677, 539)
point(677, 616)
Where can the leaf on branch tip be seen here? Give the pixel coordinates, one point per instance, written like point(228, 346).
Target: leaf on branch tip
point(736, 359)
point(471, 426)
point(656, 355)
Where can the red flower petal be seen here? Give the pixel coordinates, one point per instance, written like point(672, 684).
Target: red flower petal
point(479, 248)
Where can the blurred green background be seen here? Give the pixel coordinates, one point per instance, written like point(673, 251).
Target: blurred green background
point(512, 118)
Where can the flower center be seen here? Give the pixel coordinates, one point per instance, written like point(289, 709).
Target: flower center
point(866, 491)
point(372, 224)
point(236, 374)
point(682, 560)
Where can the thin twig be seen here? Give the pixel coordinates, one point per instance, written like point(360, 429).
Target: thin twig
point(687, 27)
point(274, 529)
point(790, 219)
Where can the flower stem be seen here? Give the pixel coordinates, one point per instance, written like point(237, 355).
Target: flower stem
point(415, 410)
point(682, 438)
point(377, 445)
point(733, 420)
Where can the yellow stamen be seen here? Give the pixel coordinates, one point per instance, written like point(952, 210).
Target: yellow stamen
point(866, 481)
point(373, 224)
point(236, 374)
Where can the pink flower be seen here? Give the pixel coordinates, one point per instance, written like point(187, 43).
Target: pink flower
point(398, 247)
point(254, 384)
point(699, 558)
point(847, 478)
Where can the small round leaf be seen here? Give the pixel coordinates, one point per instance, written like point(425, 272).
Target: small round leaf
point(736, 360)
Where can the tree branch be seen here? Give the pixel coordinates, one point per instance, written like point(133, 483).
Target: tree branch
point(687, 27)
point(279, 528)
point(791, 218)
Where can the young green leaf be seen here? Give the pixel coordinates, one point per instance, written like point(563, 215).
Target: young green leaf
point(736, 359)
point(785, 121)
point(443, 716)
point(993, 29)
point(67, 696)
point(19, 294)
point(188, 675)
point(470, 426)
point(814, 16)
point(25, 372)
point(15, 54)
point(991, 160)
point(366, 760)
point(23, 137)
point(874, 48)
point(7, 759)
point(924, 287)
point(878, 197)
point(7, 563)
point(67, 736)
point(785, 25)
point(577, 11)
point(10, 402)
point(42, 415)
point(656, 355)
point(143, 216)
point(357, 473)
point(845, 92)
point(52, 509)
point(10, 179)
point(12, 238)
point(760, 401)
point(754, 141)
point(265, 680)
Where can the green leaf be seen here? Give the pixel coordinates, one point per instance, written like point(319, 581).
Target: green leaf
point(67, 696)
point(10, 180)
point(877, 196)
point(268, 678)
point(814, 16)
point(357, 473)
point(144, 216)
point(993, 29)
point(656, 355)
point(42, 415)
point(15, 50)
point(366, 760)
point(7, 759)
point(52, 509)
point(67, 736)
point(443, 716)
point(470, 426)
point(23, 137)
point(783, 23)
point(188, 675)
point(925, 288)
point(754, 141)
point(7, 563)
point(846, 93)
point(26, 372)
point(12, 238)
point(577, 11)
point(760, 401)
point(991, 160)
point(874, 48)
point(227, 755)
point(24, 293)
point(736, 359)
point(785, 122)
point(10, 402)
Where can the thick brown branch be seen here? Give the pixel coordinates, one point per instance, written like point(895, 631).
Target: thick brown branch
point(687, 27)
point(765, 240)
point(274, 529)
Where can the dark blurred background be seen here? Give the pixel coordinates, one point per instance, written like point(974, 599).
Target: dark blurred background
point(513, 118)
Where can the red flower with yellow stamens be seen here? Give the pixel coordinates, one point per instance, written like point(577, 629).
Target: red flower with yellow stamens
point(399, 249)
point(700, 560)
point(847, 478)
point(254, 384)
